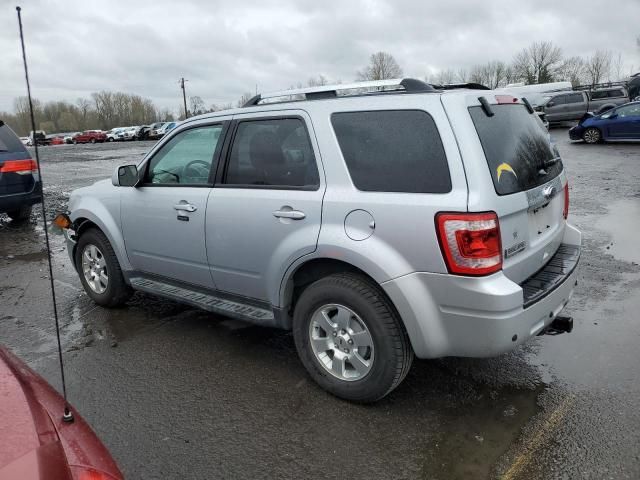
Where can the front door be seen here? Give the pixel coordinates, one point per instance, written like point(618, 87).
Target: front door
point(626, 121)
point(265, 211)
point(163, 219)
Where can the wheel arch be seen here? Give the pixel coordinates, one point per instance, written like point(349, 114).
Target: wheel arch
point(84, 219)
point(306, 272)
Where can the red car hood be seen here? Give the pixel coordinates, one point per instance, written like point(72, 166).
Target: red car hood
point(35, 443)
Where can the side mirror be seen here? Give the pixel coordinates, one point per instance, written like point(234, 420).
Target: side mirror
point(551, 104)
point(125, 176)
point(613, 115)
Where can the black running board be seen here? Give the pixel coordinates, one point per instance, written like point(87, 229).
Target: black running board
point(215, 303)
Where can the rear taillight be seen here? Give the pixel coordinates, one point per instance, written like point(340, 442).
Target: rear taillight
point(21, 167)
point(470, 242)
point(565, 210)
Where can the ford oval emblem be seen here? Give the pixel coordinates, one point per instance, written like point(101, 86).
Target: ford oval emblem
point(548, 191)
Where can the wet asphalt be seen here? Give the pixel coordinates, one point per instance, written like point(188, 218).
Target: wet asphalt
point(178, 393)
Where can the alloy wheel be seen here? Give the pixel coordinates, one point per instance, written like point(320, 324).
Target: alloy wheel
point(94, 268)
point(341, 342)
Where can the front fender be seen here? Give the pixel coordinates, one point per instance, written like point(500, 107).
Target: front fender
point(104, 212)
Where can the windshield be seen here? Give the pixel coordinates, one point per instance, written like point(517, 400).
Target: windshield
point(518, 151)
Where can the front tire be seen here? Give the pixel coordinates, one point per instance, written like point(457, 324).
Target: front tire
point(22, 214)
point(592, 135)
point(99, 270)
point(350, 339)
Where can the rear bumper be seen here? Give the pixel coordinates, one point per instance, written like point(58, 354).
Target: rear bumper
point(448, 315)
point(19, 200)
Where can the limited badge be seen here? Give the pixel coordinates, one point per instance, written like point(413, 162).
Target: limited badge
point(505, 167)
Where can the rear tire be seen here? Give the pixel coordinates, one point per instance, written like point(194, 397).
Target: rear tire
point(372, 349)
point(20, 215)
point(100, 262)
point(592, 135)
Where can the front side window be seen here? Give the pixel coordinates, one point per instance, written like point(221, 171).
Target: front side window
point(393, 151)
point(559, 100)
point(186, 159)
point(629, 111)
point(273, 153)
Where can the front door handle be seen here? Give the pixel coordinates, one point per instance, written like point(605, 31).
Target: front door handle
point(292, 214)
point(185, 206)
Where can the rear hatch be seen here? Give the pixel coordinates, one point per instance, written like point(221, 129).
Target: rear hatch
point(17, 175)
point(512, 169)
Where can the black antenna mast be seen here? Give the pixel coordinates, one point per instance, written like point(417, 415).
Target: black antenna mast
point(67, 415)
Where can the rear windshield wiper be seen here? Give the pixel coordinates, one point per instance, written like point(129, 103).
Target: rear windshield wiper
point(550, 162)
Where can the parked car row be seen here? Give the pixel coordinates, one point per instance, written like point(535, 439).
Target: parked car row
point(119, 134)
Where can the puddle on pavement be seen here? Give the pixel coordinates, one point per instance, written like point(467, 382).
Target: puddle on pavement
point(473, 438)
point(622, 222)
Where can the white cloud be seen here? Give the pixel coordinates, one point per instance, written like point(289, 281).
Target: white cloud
point(226, 48)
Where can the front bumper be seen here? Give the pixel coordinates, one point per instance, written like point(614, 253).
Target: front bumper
point(575, 133)
point(448, 315)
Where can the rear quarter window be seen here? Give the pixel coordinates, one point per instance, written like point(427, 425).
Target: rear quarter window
point(9, 141)
point(393, 151)
point(516, 148)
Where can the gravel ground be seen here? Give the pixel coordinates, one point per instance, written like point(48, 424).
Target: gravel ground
point(177, 393)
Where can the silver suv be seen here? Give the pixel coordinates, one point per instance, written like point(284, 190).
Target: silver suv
point(376, 220)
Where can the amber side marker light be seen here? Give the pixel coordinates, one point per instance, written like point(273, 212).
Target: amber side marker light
point(62, 220)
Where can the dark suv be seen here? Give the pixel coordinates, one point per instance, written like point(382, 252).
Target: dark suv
point(19, 179)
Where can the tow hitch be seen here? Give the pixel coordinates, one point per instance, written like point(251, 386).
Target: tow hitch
point(559, 325)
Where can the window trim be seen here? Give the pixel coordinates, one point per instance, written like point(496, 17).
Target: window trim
point(435, 124)
point(216, 156)
point(226, 154)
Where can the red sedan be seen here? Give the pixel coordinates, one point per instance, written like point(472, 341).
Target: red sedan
point(35, 444)
point(90, 136)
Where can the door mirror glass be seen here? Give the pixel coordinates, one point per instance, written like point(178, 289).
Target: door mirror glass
point(551, 104)
point(126, 176)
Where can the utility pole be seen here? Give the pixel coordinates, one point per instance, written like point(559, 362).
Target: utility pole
point(184, 97)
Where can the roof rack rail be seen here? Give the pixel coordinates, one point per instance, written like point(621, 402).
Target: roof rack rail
point(470, 86)
point(597, 86)
point(409, 85)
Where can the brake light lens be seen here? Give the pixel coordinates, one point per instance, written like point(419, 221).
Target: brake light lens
point(565, 211)
point(506, 99)
point(21, 167)
point(470, 242)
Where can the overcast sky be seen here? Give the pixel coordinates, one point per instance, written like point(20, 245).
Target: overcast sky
point(226, 48)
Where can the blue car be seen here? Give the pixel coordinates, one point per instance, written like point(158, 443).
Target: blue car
point(620, 123)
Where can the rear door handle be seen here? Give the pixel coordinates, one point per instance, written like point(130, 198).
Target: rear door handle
point(185, 206)
point(292, 214)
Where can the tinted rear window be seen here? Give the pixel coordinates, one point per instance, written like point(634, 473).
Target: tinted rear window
point(516, 148)
point(9, 141)
point(393, 151)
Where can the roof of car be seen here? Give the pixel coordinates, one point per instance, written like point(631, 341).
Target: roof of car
point(297, 97)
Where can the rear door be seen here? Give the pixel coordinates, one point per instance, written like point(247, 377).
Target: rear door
point(513, 170)
point(265, 210)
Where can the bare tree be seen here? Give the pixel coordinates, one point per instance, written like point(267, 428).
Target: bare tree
point(445, 77)
point(462, 75)
point(217, 107)
point(598, 66)
point(318, 81)
point(573, 69)
point(197, 105)
point(538, 63)
point(381, 66)
point(617, 67)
